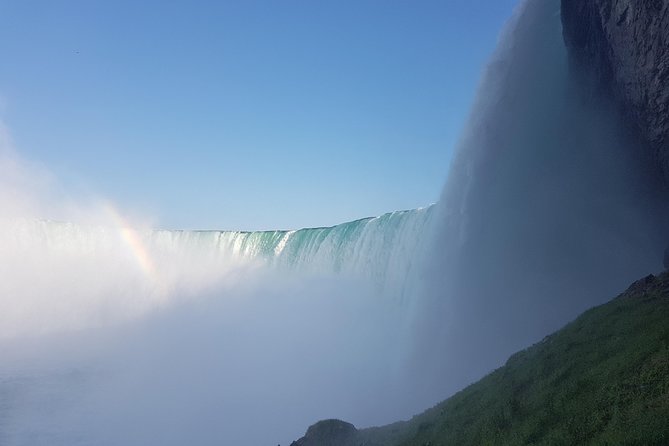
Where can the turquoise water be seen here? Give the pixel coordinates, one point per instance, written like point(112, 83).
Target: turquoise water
point(385, 249)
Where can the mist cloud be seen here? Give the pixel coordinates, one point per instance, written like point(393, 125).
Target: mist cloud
point(108, 338)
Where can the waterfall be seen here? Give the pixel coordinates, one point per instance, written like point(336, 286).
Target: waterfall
point(549, 208)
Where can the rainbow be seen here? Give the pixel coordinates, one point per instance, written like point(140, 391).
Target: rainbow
point(133, 241)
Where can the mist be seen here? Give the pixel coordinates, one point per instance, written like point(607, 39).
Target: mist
point(114, 333)
point(550, 207)
point(251, 366)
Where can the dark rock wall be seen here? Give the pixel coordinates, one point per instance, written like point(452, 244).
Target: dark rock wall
point(623, 47)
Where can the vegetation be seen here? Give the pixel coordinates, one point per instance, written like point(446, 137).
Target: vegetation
point(601, 380)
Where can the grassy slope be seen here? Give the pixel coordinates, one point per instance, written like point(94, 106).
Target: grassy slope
point(601, 380)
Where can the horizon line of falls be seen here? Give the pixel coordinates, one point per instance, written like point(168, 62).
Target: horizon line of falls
point(382, 252)
point(549, 208)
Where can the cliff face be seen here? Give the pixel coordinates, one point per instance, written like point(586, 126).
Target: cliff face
point(623, 47)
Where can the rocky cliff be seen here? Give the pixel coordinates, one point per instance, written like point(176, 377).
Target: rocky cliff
point(622, 46)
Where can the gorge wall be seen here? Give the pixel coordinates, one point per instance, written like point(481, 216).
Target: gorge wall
point(621, 45)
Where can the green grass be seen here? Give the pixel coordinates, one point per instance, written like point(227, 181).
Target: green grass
point(601, 380)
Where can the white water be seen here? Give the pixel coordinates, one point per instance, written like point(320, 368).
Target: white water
point(119, 334)
point(88, 271)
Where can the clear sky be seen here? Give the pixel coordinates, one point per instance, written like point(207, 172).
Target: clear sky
point(245, 114)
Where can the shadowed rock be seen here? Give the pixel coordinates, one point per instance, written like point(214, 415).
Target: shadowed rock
point(329, 433)
point(621, 45)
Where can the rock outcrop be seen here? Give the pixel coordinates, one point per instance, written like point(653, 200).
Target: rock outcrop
point(329, 433)
point(622, 46)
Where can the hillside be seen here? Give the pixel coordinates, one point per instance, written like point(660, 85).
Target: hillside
point(601, 380)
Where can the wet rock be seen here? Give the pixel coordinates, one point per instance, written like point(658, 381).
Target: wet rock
point(622, 46)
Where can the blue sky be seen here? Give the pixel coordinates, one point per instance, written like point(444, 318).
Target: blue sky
point(245, 114)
